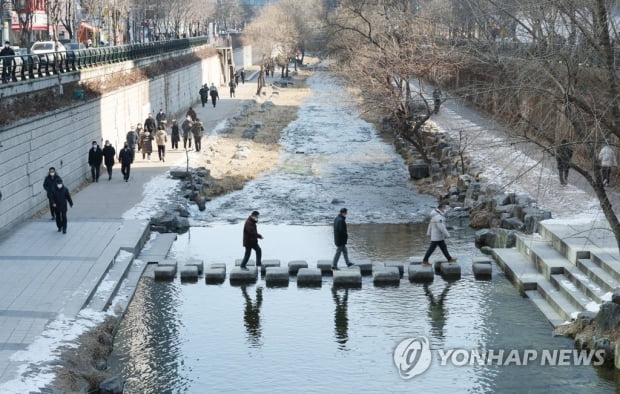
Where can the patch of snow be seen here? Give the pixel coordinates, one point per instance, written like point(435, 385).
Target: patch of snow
point(593, 306)
point(607, 296)
point(157, 191)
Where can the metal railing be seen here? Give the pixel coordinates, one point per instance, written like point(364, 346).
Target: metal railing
point(27, 67)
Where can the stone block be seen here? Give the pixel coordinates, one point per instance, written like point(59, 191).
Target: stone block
point(276, 276)
point(325, 266)
point(168, 263)
point(437, 266)
point(482, 269)
point(198, 264)
point(450, 271)
point(218, 265)
point(513, 224)
point(251, 262)
point(348, 277)
point(189, 272)
point(294, 266)
point(416, 260)
point(386, 276)
point(309, 277)
point(165, 273)
point(399, 265)
point(421, 273)
point(365, 267)
point(241, 276)
point(215, 275)
point(268, 263)
point(419, 171)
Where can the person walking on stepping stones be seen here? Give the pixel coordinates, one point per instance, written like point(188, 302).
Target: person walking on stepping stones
point(438, 233)
point(250, 240)
point(340, 239)
point(60, 198)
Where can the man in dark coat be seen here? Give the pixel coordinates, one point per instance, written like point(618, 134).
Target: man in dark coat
point(340, 239)
point(175, 136)
point(186, 126)
point(126, 156)
point(250, 240)
point(60, 198)
point(132, 138)
point(242, 74)
point(214, 94)
point(7, 62)
point(204, 94)
point(232, 85)
point(49, 184)
point(197, 130)
point(160, 117)
point(95, 158)
point(109, 155)
point(149, 125)
point(563, 156)
point(191, 113)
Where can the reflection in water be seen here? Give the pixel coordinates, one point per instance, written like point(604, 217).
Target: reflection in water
point(436, 310)
point(251, 316)
point(341, 320)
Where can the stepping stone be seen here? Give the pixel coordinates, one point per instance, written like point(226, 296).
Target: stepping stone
point(167, 272)
point(276, 276)
point(268, 263)
point(168, 263)
point(215, 275)
point(325, 266)
point(294, 266)
point(365, 267)
point(416, 260)
point(348, 277)
point(450, 271)
point(482, 268)
point(189, 272)
point(400, 266)
point(437, 266)
point(421, 273)
point(238, 275)
point(218, 265)
point(251, 262)
point(309, 277)
point(386, 276)
point(198, 263)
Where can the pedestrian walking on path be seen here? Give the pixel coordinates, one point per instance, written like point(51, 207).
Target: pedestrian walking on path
point(150, 125)
point(95, 158)
point(341, 236)
point(186, 126)
point(175, 137)
point(109, 155)
point(232, 85)
point(132, 138)
point(438, 232)
point(161, 138)
point(204, 94)
point(242, 74)
point(125, 157)
point(160, 117)
point(60, 198)
point(607, 156)
point(250, 240)
point(191, 114)
point(197, 131)
point(437, 100)
point(147, 145)
point(563, 156)
point(214, 94)
point(49, 184)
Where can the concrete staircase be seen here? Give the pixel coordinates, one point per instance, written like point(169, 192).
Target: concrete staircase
point(565, 269)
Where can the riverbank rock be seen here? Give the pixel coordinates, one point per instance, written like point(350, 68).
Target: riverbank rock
point(608, 317)
point(419, 171)
point(113, 385)
point(169, 223)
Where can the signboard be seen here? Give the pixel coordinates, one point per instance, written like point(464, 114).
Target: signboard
point(39, 20)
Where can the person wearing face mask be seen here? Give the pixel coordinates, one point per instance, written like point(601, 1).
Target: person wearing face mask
point(250, 240)
point(7, 62)
point(126, 158)
point(49, 184)
point(60, 198)
point(109, 153)
point(95, 158)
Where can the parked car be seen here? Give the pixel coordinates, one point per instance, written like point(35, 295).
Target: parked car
point(45, 49)
point(73, 52)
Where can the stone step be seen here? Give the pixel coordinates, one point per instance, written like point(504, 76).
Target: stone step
point(215, 275)
point(266, 264)
point(309, 277)
point(243, 276)
point(158, 248)
point(419, 273)
point(386, 276)
point(348, 277)
point(608, 263)
point(325, 266)
point(585, 284)
point(517, 268)
point(575, 296)
point(295, 265)
point(111, 283)
point(276, 276)
point(554, 318)
point(450, 271)
point(597, 275)
point(399, 265)
point(557, 300)
point(545, 258)
point(188, 273)
point(569, 241)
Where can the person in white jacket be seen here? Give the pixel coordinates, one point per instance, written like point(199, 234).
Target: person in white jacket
point(607, 156)
point(438, 233)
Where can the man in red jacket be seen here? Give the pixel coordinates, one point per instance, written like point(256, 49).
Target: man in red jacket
point(250, 239)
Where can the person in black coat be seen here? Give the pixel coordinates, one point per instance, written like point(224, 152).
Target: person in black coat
point(340, 239)
point(60, 198)
point(125, 157)
point(204, 94)
point(214, 94)
point(149, 124)
point(95, 158)
point(49, 184)
point(109, 155)
point(175, 137)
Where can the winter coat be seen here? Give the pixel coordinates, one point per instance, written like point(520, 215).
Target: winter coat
point(607, 157)
point(250, 233)
point(436, 227)
point(175, 133)
point(146, 142)
point(161, 137)
point(132, 139)
point(108, 155)
point(563, 155)
point(149, 125)
point(160, 117)
point(95, 156)
point(49, 184)
point(232, 85)
point(192, 114)
point(60, 197)
point(126, 156)
point(186, 126)
point(214, 94)
point(197, 130)
point(340, 231)
point(204, 93)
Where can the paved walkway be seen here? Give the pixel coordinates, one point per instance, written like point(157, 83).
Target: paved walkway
point(46, 275)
